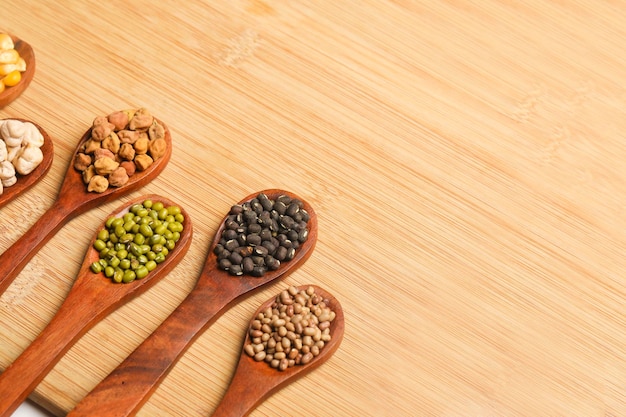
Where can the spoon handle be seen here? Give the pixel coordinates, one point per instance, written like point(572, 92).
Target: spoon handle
point(72, 320)
point(129, 386)
point(13, 260)
point(244, 393)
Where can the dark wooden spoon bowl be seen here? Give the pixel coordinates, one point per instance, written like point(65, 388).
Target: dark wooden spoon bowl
point(254, 381)
point(128, 387)
point(26, 51)
point(73, 199)
point(24, 182)
point(92, 297)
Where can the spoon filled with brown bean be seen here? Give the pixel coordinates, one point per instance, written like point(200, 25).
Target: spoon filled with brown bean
point(289, 336)
point(96, 292)
point(225, 279)
point(75, 196)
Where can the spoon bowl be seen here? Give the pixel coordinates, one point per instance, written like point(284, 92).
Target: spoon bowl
point(72, 200)
point(91, 298)
point(24, 182)
point(129, 386)
point(26, 51)
point(253, 381)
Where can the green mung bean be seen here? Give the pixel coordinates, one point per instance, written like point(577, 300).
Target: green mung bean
point(131, 246)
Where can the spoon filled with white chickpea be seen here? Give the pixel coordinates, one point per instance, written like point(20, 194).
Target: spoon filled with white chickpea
point(26, 154)
point(96, 176)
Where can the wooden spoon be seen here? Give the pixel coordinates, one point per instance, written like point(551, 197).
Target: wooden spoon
point(253, 381)
point(91, 298)
point(11, 93)
point(73, 199)
point(130, 385)
point(24, 182)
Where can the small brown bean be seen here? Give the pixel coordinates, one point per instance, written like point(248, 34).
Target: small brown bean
point(249, 350)
point(259, 356)
point(306, 358)
point(284, 364)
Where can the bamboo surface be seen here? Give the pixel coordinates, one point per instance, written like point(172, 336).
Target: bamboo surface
point(465, 160)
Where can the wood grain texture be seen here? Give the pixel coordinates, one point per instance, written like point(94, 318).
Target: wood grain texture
point(465, 160)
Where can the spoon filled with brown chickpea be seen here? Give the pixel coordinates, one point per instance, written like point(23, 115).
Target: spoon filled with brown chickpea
point(289, 336)
point(118, 154)
point(132, 250)
point(262, 239)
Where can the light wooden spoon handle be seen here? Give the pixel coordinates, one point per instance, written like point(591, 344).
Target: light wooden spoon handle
point(130, 385)
point(71, 321)
point(13, 260)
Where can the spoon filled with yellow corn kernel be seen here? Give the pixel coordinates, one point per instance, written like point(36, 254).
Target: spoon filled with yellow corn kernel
point(17, 67)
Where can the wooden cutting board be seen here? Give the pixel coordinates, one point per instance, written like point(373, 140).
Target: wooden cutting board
point(466, 161)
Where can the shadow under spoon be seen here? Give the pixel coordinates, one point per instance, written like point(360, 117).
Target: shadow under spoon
point(90, 299)
point(72, 200)
point(254, 381)
point(130, 385)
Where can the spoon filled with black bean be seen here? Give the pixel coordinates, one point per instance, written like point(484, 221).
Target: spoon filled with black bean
point(262, 239)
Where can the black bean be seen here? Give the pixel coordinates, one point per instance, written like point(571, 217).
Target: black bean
point(272, 263)
point(269, 245)
point(265, 234)
point(235, 270)
point(250, 216)
point(229, 234)
point(235, 258)
point(265, 202)
point(261, 251)
point(281, 253)
point(248, 265)
point(287, 222)
point(259, 271)
point(231, 245)
point(292, 235)
point(260, 234)
point(280, 207)
point(292, 209)
point(254, 239)
point(255, 228)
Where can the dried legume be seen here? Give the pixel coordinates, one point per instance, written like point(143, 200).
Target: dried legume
point(272, 342)
point(260, 234)
point(120, 144)
point(134, 244)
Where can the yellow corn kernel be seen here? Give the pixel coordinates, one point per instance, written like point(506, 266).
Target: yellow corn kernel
point(5, 69)
point(9, 56)
point(1, 86)
point(6, 42)
point(12, 78)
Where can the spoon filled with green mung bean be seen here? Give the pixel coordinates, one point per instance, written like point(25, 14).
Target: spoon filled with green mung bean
point(116, 268)
point(250, 230)
point(290, 335)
